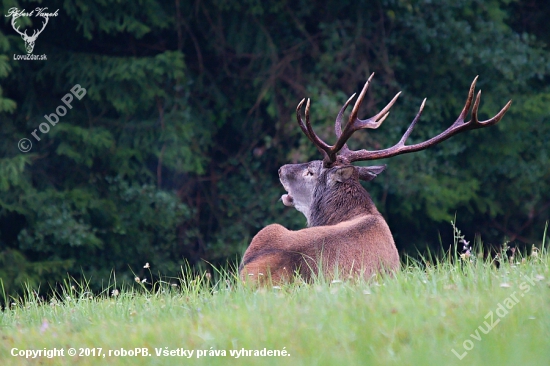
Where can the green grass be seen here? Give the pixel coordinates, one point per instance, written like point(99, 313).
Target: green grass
point(414, 318)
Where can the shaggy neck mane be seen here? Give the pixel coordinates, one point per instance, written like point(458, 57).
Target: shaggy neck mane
point(341, 202)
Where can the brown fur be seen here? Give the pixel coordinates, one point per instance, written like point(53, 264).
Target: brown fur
point(358, 247)
point(347, 236)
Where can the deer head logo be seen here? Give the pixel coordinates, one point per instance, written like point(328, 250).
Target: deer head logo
point(29, 40)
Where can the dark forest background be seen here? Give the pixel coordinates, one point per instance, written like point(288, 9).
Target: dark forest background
point(172, 155)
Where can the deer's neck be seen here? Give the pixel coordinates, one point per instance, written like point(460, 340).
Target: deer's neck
point(339, 204)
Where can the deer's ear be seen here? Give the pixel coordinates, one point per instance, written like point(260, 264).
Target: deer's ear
point(367, 173)
point(342, 174)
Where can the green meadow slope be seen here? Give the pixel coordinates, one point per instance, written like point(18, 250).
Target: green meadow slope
point(444, 314)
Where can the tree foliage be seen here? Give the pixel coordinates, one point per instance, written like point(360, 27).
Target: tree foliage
point(173, 152)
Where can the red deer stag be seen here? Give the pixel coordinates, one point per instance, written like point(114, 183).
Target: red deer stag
point(346, 235)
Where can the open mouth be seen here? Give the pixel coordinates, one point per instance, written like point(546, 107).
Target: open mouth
point(287, 200)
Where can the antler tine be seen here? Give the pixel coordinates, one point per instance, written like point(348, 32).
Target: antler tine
point(468, 103)
point(497, 117)
point(355, 110)
point(308, 130)
point(413, 123)
point(316, 140)
point(382, 115)
point(299, 118)
point(338, 123)
point(474, 119)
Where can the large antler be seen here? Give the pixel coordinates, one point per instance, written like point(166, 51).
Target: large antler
point(354, 124)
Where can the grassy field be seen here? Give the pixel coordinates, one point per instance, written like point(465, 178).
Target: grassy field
point(451, 313)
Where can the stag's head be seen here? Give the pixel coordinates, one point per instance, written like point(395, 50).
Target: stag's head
point(319, 187)
point(29, 40)
point(311, 187)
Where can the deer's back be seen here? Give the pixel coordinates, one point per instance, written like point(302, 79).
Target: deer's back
point(358, 247)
